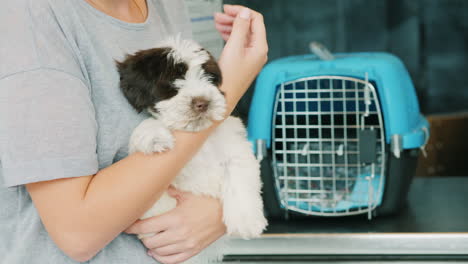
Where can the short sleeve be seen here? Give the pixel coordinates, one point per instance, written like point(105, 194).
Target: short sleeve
point(47, 127)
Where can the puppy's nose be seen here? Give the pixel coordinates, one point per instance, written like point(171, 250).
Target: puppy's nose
point(200, 104)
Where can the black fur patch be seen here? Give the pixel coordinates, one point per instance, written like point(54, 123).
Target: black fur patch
point(147, 77)
point(213, 71)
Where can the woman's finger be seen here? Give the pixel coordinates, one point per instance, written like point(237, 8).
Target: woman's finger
point(154, 224)
point(225, 36)
point(241, 29)
point(232, 10)
point(224, 19)
point(259, 38)
point(174, 193)
point(177, 258)
point(223, 28)
point(161, 240)
point(169, 249)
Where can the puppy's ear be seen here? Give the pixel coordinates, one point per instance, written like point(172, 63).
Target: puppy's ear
point(212, 69)
point(147, 77)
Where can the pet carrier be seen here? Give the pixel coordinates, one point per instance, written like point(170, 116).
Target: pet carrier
point(338, 136)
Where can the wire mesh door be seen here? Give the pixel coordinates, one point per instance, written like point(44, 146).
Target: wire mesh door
point(328, 146)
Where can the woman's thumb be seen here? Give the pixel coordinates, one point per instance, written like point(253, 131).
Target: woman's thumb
point(241, 28)
point(173, 192)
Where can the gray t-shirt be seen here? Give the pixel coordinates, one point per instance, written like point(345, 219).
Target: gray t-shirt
point(61, 111)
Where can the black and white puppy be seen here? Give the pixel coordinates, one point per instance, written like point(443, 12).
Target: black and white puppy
point(178, 84)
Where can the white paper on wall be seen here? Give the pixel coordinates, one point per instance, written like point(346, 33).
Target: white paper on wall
point(202, 17)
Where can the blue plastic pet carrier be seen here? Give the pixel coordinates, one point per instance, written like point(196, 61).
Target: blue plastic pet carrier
point(336, 135)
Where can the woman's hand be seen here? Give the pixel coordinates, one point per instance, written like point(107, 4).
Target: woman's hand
point(183, 232)
point(245, 52)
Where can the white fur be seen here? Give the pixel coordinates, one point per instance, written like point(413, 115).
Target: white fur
point(224, 168)
point(158, 140)
point(184, 50)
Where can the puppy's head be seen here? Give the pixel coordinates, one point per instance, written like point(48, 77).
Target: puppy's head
point(177, 82)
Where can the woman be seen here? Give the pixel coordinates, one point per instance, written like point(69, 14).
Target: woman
point(70, 187)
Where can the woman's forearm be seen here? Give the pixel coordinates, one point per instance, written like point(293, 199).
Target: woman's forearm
point(121, 193)
point(83, 214)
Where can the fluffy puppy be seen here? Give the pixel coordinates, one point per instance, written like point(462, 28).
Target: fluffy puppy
point(178, 84)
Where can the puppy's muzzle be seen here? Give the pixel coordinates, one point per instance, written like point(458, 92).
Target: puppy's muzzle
point(200, 104)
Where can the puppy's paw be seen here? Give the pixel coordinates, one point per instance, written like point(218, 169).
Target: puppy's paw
point(151, 136)
point(245, 222)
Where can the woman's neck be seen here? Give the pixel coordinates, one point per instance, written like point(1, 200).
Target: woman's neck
point(133, 11)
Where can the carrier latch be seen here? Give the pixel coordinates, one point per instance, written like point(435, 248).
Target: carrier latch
point(396, 145)
point(423, 147)
point(261, 149)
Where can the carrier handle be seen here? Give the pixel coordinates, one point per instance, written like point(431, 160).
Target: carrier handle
point(321, 51)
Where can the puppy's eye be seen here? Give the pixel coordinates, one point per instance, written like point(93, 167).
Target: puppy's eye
point(165, 90)
point(180, 69)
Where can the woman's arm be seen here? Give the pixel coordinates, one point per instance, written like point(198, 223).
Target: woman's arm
point(84, 214)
